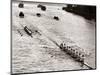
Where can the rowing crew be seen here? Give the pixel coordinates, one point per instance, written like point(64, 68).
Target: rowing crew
point(73, 51)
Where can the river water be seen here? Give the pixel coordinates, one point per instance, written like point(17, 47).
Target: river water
point(39, 54)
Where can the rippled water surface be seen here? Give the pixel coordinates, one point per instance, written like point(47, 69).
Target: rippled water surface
point(40, 54)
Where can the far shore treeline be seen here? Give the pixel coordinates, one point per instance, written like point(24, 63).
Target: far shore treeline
point(89, 12)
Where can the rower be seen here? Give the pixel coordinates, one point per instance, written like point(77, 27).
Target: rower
point(61, 45)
